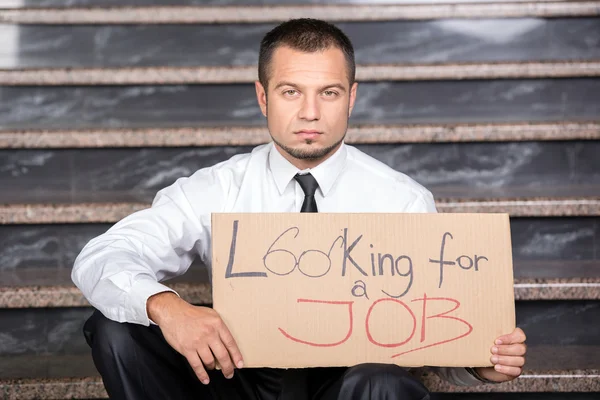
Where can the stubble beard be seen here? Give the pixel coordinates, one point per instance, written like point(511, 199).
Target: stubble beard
point(308, 154)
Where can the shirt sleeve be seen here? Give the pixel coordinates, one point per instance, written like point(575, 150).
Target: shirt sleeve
point(119, 270)
point(455, 375)
point(423, 203)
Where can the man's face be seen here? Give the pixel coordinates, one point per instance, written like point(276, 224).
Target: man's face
point(308, 103)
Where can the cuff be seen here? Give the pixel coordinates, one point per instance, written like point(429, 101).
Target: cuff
point(142, 288)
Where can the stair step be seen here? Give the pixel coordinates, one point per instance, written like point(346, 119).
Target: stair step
point(137, 3)
point(572, 323)
point(251, 135)
point(67, 295)
point(431, 41)
point(248, 74)
point(526, 272)
point(429, 102)
point(61, 377)
point(544, 248)
point(459, 171)
point(114, 212)
point(280, 13)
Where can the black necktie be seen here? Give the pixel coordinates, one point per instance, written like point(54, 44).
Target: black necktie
point(309, 185)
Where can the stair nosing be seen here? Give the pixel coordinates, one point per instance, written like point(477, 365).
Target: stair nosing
point(59, 296)
point(247, 74)
point(280, 13)
point(77, 213)
point(253, 135)
point(529, 381)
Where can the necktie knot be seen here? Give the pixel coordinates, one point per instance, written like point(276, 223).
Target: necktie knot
point(309, 186)
point(308, 183)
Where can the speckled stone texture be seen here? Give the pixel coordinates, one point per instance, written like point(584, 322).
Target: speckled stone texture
point(113, 212)
point(200, 292)
point(557, 289)
point(530, 381)
point(530, 207)
point(70, 296)
point(250, 135)
point(248, 74)
point(276, 13)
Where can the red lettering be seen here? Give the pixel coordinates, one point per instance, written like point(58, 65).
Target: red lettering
point(390, 344)
point(441, 315)
point(348, 303)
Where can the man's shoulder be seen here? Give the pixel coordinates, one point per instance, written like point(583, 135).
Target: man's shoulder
point(237, 165)
point(220, 179)
point(379, 174)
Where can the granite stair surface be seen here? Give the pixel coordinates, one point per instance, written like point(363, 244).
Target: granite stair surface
point(494, 106)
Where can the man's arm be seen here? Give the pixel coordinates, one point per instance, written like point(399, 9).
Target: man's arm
point(120, 269)
point(119, 272)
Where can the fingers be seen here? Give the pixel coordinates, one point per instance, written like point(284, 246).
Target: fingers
point(196, 364)
point(517, 336)
point(231, 346)
point(510, 349)
point(508, 361)
point(507, 370)
point(207, 358)
point(223, 358)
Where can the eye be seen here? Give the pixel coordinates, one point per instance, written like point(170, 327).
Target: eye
point(330, 93)
point(290, 92)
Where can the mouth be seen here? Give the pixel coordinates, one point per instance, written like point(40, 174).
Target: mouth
point(308, 134)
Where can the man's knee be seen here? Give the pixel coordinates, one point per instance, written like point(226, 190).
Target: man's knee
point(109, 337)
point(385, 381)
point(375, 372)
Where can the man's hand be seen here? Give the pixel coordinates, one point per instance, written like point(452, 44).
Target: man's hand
point(197, 333)
point(508, 357)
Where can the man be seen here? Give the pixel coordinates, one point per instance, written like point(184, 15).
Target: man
point(149, 344)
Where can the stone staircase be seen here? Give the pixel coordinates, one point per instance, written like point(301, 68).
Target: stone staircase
point(495, 107)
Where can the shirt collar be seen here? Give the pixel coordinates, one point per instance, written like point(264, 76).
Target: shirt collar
point(325, 173)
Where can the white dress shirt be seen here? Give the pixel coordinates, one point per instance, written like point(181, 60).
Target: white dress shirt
point(119, 270)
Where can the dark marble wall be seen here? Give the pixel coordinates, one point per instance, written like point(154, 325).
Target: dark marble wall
point(524, 39)
point(537, 242)
point(377, 102)
point(58, 331)
point(42, 331)
point(477, 170)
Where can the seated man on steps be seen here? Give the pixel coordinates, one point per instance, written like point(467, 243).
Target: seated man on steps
point(148, 343)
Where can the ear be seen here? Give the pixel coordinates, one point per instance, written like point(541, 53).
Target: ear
point(352, 98)
point(261, 95)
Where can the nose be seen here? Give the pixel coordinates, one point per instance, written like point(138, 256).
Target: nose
point(309, 110)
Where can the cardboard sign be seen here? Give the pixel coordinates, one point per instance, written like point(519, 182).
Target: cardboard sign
point(307, 290)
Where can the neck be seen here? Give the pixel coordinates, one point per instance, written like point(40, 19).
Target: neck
point(304, 163)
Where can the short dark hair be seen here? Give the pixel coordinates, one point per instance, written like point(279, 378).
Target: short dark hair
point(308, 35)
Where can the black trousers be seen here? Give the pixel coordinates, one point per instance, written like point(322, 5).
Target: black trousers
point(136, 362)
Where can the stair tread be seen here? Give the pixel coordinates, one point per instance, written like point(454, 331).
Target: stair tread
point(441, 194)
point(570, 369)
point(525, 271)
point(44, 213)
point(270, 13)
point(253, 135)
point(52, 287)
point(247, 74)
